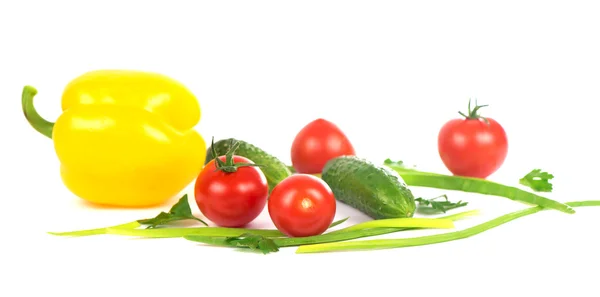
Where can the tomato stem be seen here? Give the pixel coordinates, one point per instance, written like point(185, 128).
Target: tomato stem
point(473, 113)
point(228, 165)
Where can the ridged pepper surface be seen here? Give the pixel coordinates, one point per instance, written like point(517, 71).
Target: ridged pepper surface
point(124, 138)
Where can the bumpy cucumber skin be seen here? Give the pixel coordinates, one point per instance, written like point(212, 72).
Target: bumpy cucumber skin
point(377, 191)
point(275, 171)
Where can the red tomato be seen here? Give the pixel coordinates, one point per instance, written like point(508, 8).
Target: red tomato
point(473, 146)
point(231, 199)
point(302, 205)
point(318, 142)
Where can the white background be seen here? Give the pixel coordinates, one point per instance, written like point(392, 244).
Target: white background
point(389, 73)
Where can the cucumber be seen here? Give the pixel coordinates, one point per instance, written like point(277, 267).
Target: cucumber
point(376, 191)
point(275, 171)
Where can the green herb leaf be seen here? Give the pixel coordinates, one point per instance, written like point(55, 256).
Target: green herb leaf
point(433, 206)
point(398, 164)
point(179, 212)
point(254, 242)
point(537, 180)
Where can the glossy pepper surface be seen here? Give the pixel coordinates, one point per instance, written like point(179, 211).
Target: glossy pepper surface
point(124, 138)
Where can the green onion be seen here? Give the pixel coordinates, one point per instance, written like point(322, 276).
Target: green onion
point(370, 228)
point(431, 239)
point(129, 229)
point(404, 222)
point(417, 178)
point(180, 232)
point(97, 231)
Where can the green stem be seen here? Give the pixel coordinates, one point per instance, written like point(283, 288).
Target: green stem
point(473, 113)
point(129, 229)
point(404, 222)
point(97, 231)
point(476, 185)
point(229, 165)
point(181, 232)
point(338, 235)
point(368, 229)
point(33, 117)
point(431, 239)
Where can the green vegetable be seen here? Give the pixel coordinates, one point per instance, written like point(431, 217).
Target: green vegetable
point(228, 165)
point(180, 211)
point(401, 222)
point(129, 229)
point(255, 241)
point(204, 231)
point(374, 190)
point(431, 206)
point(431, 239)
point(97, 231)
point(537, 180)
point(181, 232)
point(275, 171)
point(417, 178)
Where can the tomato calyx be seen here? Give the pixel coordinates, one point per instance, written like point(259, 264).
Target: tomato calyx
point(228, 165)
point(473, 114)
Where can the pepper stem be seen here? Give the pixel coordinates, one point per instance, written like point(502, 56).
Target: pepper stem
point(33, 117)
point(473, 113)
point(228, 165)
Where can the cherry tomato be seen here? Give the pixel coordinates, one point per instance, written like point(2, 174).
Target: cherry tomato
point(302, 205)
point(473, 146)
point(231, 199)
point(315, 144)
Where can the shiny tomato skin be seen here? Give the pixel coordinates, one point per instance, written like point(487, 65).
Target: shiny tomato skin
point(231, 199)
point(472, 148)
point(302, 205)
point(316, 143)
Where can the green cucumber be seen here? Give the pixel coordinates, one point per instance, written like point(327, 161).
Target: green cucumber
point(376, 191)
point(275, 171)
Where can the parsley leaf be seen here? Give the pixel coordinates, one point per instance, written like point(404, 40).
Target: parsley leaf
point(397, 164)
point(391, 162)
point(537, 180)
point(433, 206)
point(254, 242)
point(180, 211)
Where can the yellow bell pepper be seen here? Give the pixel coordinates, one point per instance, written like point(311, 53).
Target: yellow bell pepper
point(125, 138)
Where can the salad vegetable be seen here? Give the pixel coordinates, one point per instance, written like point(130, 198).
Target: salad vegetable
point(316, 143)
point(414, 177)
point(180, 211)
point(231, 190)
point(275, 171)
point(130, 229)
point(254, 241)
point(375, 190)
point(537, 180)
point(431, 239)
point(432, 205)
point(473, 146)
point(96, 231)
point(302, 205)
point(125, 138)
point(120, 144)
